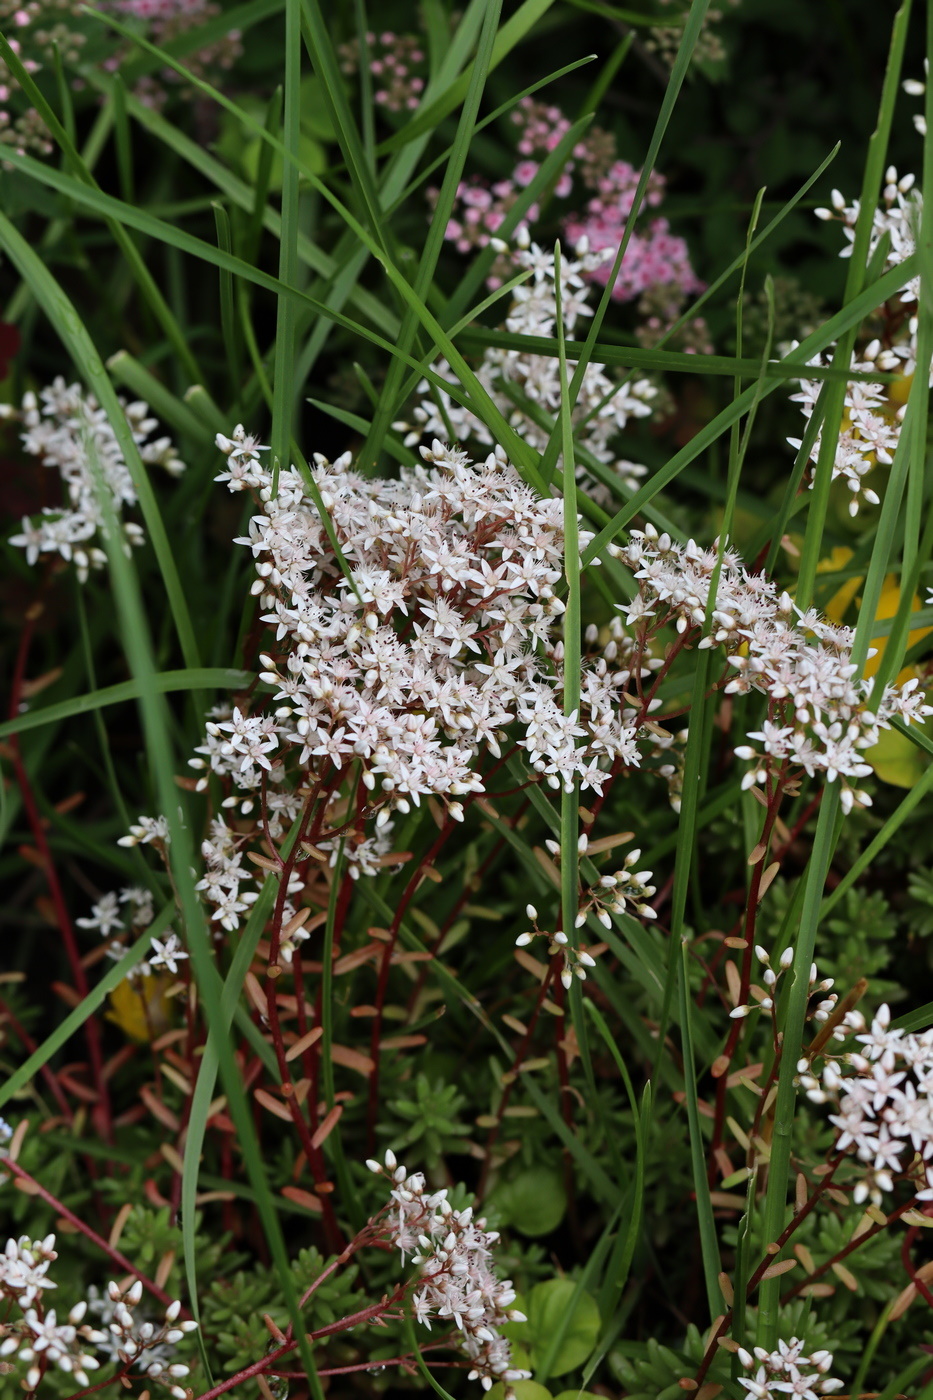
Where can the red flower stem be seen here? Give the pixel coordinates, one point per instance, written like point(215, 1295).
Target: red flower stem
point(36, 1189)
point(102, 1385)
point(314, 1155)
point(91, 1028)
point(383, 983)
point(751, 914)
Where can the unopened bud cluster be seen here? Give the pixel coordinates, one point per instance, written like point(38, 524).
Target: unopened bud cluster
point(575, 960)
point(765, 998)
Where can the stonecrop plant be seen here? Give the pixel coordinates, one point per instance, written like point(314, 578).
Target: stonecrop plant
point(466, 814)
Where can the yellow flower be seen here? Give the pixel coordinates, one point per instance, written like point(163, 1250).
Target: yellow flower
point(140, 1006)
point(894, 758)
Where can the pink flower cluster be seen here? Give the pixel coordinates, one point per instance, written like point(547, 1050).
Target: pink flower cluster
point(654, 257)
point(167, 19)
point(397, 62)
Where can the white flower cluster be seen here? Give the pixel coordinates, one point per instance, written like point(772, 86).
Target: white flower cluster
point(453, 1253)
point(106, 918)
point(819, 718)
point(68, 430)
point(764, 998)
point(883, 1101)
point(439, 636)
point(787, 1371)
point(873, 417)
point(39, 1340)
point(604, 406)
point(870, 428)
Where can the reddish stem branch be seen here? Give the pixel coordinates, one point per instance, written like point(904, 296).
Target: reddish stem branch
point(36, 1189)
point(383, 983)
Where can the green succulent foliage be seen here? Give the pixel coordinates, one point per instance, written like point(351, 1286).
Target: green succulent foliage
point(430, 1113)
point(650, 1371)
point(234, 1305)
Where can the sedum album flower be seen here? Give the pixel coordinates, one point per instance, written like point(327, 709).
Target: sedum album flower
point(820, 717)
point(67, 430)
point(787, 1371)
point(605, 405)
point(457, 1277)
point(882, 1094)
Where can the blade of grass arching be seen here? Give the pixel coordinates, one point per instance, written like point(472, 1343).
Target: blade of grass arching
point(54, 230)
point(316, 35)
point(774, 1212)
point(668, 361)
point(602, 84)
point(691, 34)
point(173, 411)
point(443, 209)
point(91, 1003)
point(64, 318)
point(198, 678)
point(239, 17)
point(239, 193)
point(124, 140)
point(855, 280)
point(283, 398)
point(176, 238)
point(709, 1243)
point(228, 322)
point(135, 261)
point(139, 652)
point(850, 314)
